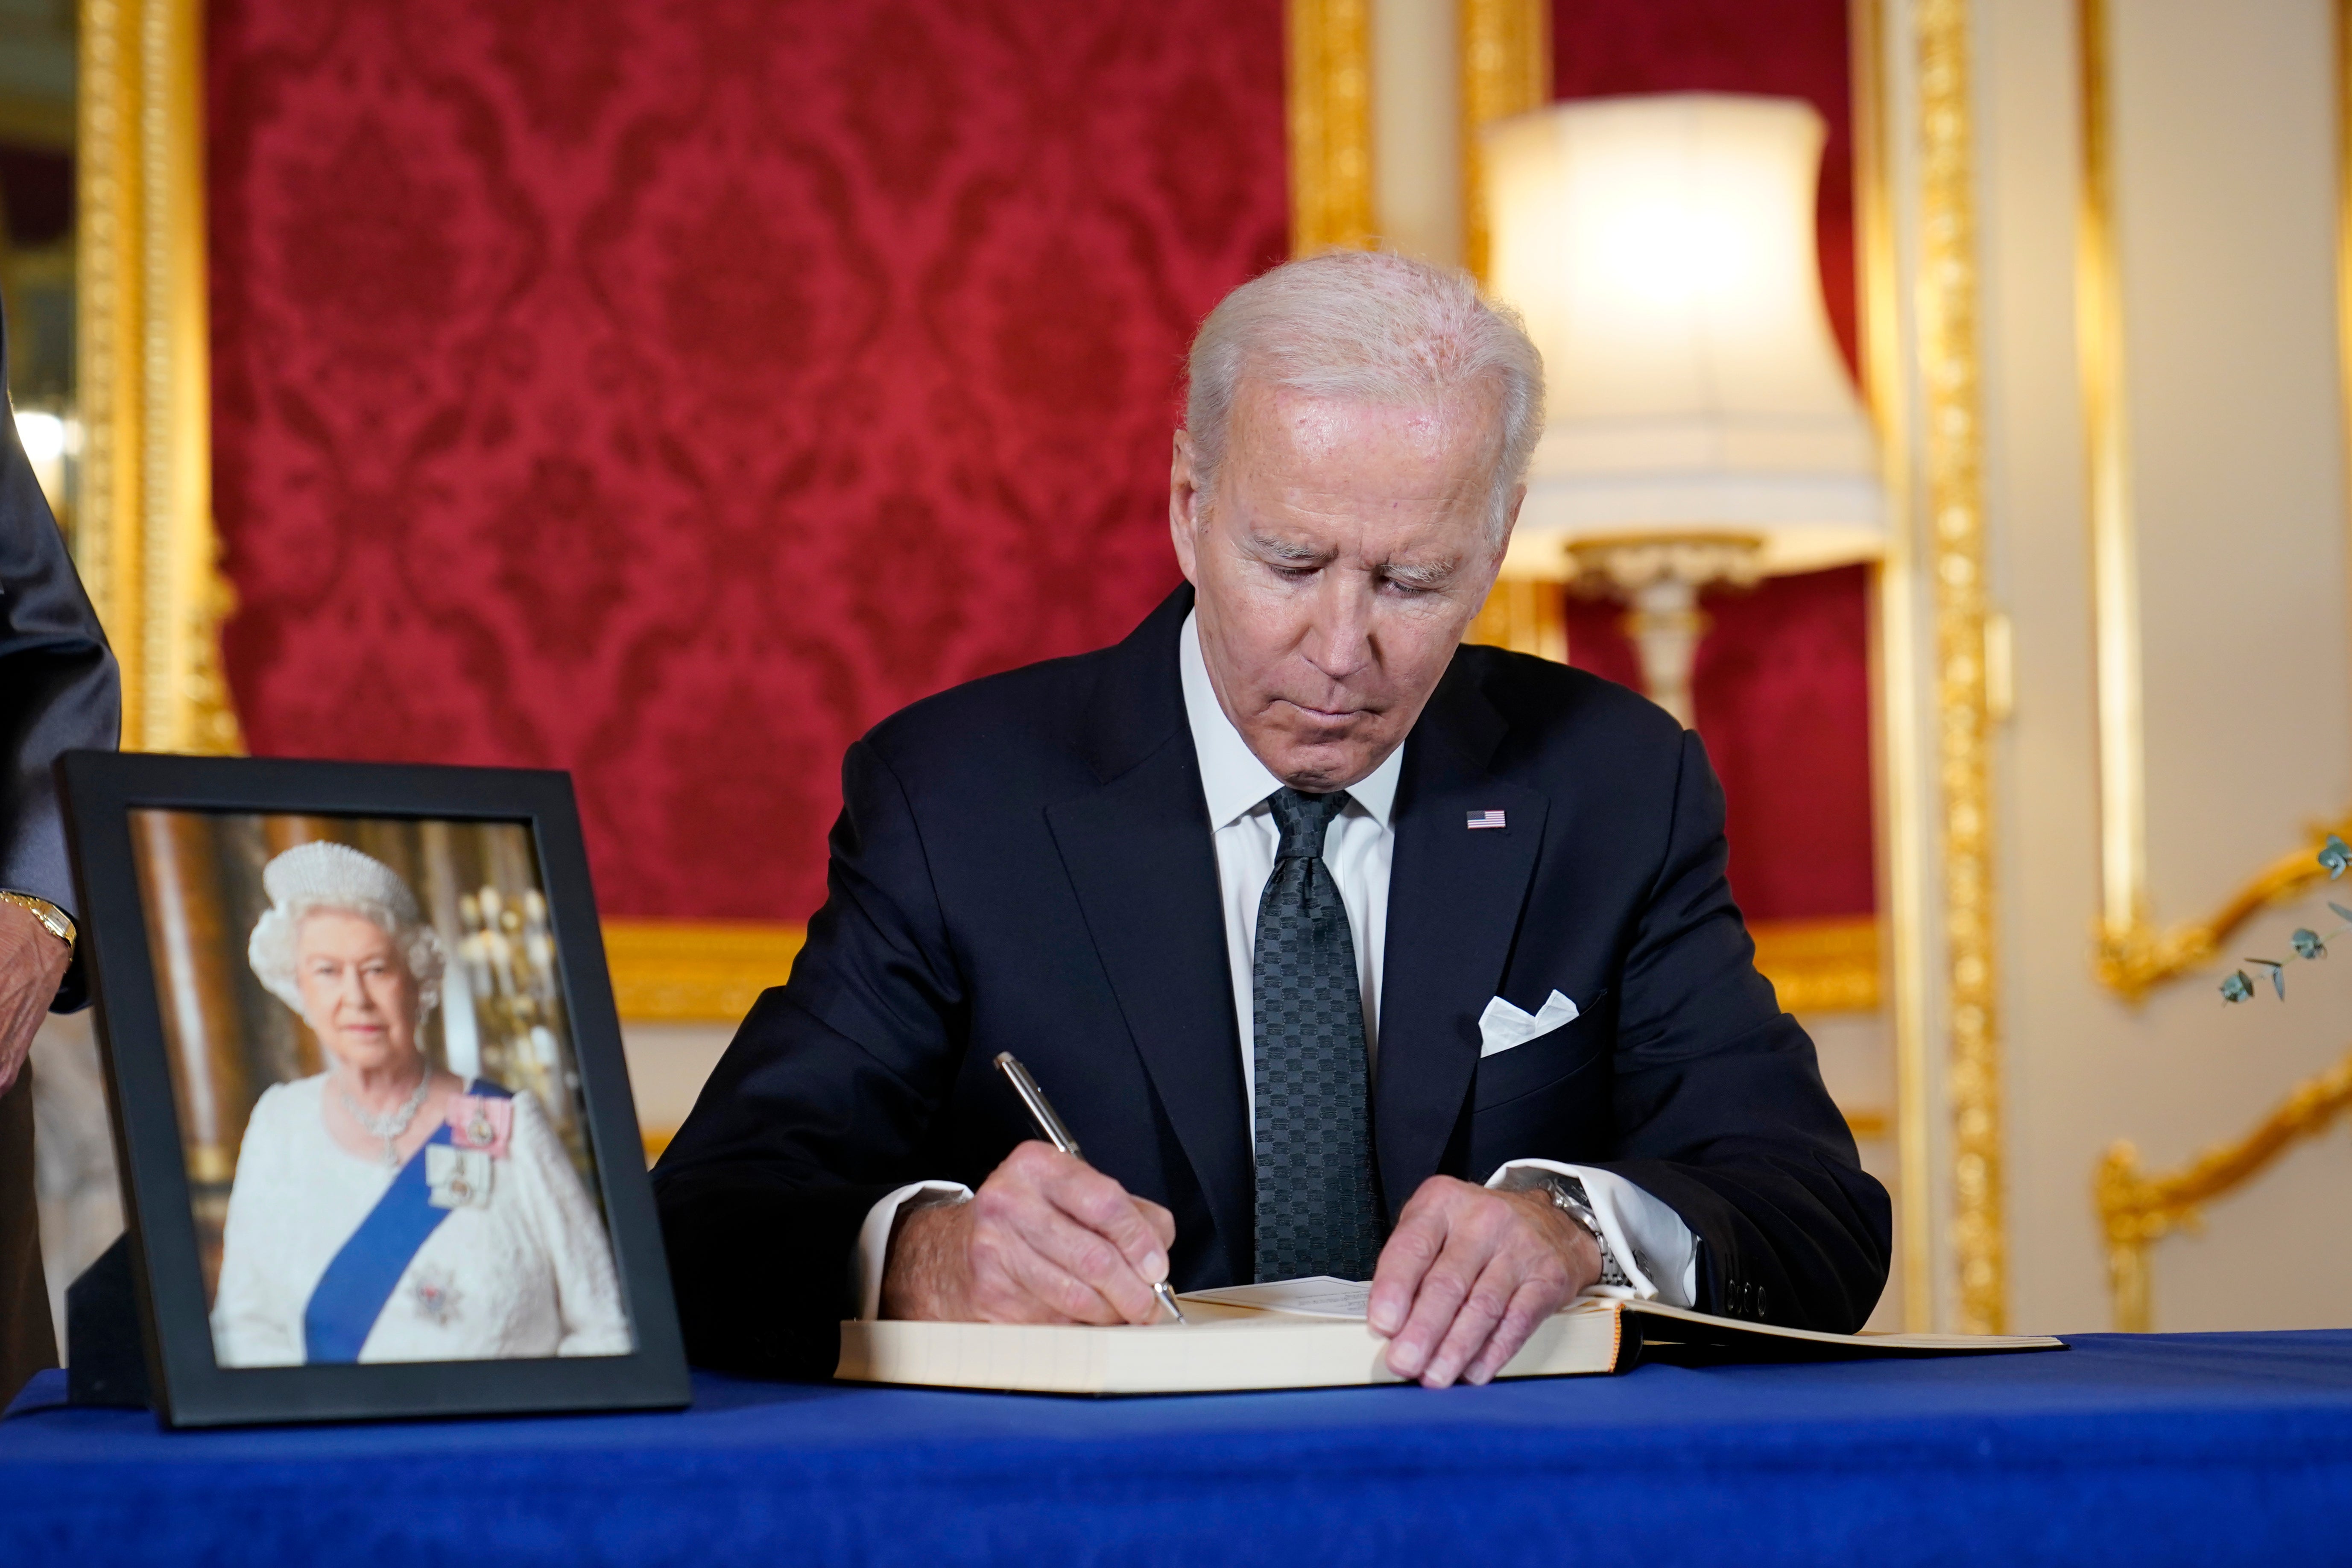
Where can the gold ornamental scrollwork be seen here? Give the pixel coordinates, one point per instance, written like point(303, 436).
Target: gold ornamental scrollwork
point(1328, 92)
point(2138, 1209)
point(1953, 463)
point(2138, 957)
point(144, 536)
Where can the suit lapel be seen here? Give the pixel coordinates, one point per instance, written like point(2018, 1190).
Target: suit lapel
point(1140, 855)
point(1454, 899)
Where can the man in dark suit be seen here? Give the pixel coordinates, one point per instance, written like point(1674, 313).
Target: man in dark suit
point(58, 692)
point(1342, 948)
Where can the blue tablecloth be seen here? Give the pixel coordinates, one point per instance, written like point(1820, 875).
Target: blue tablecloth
point(2205, 1448)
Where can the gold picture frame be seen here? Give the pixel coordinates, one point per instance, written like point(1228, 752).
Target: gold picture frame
point(146, 548)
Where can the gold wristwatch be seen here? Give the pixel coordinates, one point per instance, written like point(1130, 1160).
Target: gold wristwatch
point(54, 920)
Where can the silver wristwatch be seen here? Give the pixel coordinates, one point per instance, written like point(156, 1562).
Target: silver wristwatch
point(1568, 1196)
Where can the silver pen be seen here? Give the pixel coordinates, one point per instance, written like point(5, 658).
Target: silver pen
point(1041, 1111)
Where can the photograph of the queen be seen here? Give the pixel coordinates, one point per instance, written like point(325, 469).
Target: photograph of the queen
point(385, 1209)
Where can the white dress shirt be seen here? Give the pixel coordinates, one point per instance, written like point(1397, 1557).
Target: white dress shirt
point(527, 1272)
point(1651, 1244)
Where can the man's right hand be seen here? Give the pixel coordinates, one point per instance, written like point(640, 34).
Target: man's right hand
point(1046, 1239)
point(32, 966)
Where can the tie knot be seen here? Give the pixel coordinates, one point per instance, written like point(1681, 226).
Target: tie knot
point(1302, 819)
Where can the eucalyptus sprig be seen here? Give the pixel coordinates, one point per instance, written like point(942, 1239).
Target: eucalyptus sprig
point(2334, 857)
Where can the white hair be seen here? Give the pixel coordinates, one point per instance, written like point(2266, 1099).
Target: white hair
point(1367, 326)
point(319, 876)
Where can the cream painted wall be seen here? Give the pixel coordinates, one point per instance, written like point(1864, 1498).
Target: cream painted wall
point(1858, 1065)
point(668, 1065)
point(1417, 127)
point(2223, 129)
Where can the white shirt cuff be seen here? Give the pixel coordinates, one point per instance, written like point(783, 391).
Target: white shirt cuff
point(872, 1254)
point(1653, 1245)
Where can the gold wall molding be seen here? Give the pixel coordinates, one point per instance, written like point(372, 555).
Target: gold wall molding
point(143, 532)
point(2343, 41)
point(1902, 793)
point(1329, 88)
point(2138, 1209)
point(1525, 615)
point(1506, 69)
point(1821, 965)
point(2126, 940)
point(696, 972)
point(711, 972)
point(1953, 461)
point(2134, 954)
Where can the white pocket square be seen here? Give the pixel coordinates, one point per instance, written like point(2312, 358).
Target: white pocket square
point(1502, 1026)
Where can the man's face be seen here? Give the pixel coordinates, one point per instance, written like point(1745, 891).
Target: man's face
point(1341, 557)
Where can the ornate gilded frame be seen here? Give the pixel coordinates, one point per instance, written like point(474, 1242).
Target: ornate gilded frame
point(143, 537)
point(1954, 556)
point(1506, 69)
point(1328, 90)
point(146, 547)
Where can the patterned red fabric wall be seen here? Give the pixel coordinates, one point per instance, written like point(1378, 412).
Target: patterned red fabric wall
point(1782, 686)
point(668, 389)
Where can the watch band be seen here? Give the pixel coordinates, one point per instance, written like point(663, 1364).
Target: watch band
point(54, 920)
point(1568, 1196)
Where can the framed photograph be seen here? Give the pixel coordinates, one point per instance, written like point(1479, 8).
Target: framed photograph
point(378, 1151)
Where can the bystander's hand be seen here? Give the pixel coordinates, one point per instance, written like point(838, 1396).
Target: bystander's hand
point(32, 966)
point(1469, 1273)
point(1046, 1239)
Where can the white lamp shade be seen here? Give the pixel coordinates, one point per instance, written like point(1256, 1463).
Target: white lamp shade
point(1661, 249)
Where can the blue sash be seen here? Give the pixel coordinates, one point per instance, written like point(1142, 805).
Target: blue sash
point(351, 1295)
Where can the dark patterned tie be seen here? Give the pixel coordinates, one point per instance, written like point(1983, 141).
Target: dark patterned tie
point(1318, 1209)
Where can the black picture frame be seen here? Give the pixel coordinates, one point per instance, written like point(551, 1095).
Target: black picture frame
point(187, 1388)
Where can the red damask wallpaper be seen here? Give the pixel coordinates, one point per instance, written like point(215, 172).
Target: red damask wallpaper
point(668, 389)
point(1782, 686)
point(1782, 689)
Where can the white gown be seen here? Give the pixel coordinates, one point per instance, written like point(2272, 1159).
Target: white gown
point(528, 1275)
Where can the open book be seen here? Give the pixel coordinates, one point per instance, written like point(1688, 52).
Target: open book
point(1312, 1334)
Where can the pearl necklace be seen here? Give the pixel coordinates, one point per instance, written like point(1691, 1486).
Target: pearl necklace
point(392, 1123)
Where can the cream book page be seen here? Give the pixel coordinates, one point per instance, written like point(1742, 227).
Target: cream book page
point(1297, 1334)
point(1311, 1333)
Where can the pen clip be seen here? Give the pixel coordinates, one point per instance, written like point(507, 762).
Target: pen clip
point(1034, 1098)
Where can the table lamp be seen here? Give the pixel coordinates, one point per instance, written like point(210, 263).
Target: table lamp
point(1701, 427)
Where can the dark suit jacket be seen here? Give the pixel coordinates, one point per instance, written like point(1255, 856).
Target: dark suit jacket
point(58, 692)
point(58, 687)
point(1025, 863)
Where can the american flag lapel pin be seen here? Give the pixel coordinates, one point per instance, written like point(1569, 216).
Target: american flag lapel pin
point(1486, 819)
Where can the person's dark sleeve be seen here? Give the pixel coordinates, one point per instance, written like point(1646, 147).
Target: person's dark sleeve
point(59, 690)
point(1721, 1106)
point(820, 1104)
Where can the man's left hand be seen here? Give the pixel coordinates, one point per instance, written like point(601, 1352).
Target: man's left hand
point(32, 966)
point(1468, 1274)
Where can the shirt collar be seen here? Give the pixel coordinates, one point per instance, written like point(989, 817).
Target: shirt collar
point(1232, 777)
